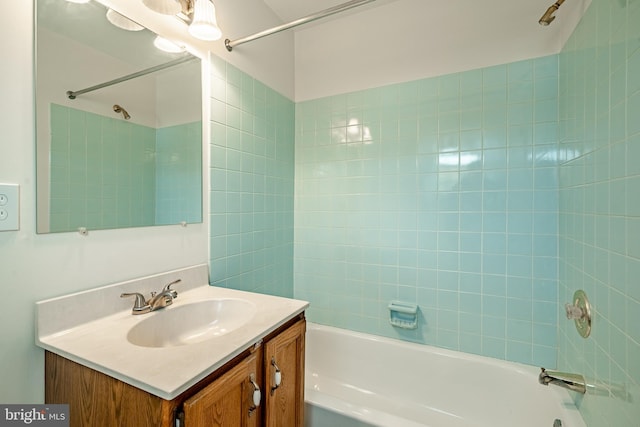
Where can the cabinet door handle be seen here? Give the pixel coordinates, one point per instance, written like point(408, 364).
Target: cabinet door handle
point(256, 395)
point(277, 376)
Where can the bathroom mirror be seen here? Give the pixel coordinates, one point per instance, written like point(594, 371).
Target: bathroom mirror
point(127, 151)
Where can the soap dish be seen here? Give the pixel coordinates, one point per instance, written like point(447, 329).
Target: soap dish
point(403, 314)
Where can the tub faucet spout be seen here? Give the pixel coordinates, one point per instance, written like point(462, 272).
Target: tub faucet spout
point(574, 382)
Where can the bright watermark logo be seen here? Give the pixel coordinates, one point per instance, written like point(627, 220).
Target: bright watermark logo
point(35, 415)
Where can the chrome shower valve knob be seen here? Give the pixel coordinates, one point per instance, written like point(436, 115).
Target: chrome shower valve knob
point(580, 312)
point(573, 312)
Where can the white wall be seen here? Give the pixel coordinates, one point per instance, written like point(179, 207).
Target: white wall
point(35, 267)
point(404, 40)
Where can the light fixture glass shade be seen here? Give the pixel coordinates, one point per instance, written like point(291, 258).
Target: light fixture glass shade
point(122, 21)
point(167, 45)
point(204, 25)
point(166, 7)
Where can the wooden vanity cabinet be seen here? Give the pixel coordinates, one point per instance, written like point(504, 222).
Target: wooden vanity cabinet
point(284, 403)
point(223, 399)
point(96, 399)
point(227, 401)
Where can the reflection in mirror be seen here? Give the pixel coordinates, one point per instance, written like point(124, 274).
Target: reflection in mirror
point(124, 147)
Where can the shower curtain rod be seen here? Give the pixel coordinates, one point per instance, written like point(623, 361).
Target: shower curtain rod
point(230, 44)
point(72, 94)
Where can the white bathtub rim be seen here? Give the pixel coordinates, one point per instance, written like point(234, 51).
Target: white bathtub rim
point(571, 416)
point(520, 368)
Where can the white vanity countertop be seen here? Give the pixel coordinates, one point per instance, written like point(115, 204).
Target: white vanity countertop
point(102, 344)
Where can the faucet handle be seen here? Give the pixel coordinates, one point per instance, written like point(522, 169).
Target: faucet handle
point(167, 288)
point(574, 312)
point(140, 306)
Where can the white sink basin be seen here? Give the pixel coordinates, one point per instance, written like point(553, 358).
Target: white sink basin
point(191, 323)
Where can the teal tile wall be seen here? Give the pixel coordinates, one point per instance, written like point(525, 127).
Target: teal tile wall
point(251, 187)
point(109, 173)
point(440, 192)
point(179, 174)
point(600, 207)
point(102, 171)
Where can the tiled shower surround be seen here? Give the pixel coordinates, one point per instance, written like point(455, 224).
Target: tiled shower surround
point(441, 192)
point(251, 189)
point(599, 225)
point(487, 197)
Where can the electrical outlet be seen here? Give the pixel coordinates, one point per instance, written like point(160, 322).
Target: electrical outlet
point(9, 207)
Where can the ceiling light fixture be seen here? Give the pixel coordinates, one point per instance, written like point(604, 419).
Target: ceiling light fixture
point(122, 21)
point(79, 1)
point(199, 14)
point(204, 25)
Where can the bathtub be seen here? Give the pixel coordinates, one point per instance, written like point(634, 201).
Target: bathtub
point(359, 380)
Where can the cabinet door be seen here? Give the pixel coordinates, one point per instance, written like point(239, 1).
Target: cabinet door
point(284, 406)
point(227, 401)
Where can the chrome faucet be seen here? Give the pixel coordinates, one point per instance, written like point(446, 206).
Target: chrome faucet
point(157, 300)
point(574, 382)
